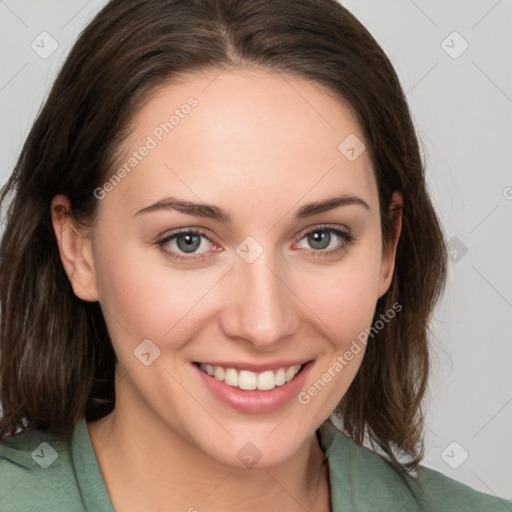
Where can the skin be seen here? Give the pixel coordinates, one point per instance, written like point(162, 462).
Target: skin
point(259, 145)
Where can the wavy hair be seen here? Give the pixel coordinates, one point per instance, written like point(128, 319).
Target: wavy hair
point(57, 362)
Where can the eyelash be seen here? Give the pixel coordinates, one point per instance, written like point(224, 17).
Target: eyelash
point(346, 237)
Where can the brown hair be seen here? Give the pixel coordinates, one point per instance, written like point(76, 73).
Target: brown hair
point(57, 362)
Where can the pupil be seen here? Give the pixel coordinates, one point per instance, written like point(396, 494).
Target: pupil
point(191, 242)
point(318, 239)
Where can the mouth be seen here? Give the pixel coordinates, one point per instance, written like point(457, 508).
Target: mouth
point(252, 388)
point(248, 380)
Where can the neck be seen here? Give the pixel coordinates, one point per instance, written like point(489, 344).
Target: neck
point(146, 464)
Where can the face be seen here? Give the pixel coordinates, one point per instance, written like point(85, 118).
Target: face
point(231, 317)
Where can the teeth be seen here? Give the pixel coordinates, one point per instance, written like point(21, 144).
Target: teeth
point(218, 373)
point(247, 380)
point(290, 373)
point(266, 380)
point(231, 377)
point(280, 377)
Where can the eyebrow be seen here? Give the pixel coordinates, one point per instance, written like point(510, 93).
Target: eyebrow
point(216, 213)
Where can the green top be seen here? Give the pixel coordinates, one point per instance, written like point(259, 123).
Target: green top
point(40, 472)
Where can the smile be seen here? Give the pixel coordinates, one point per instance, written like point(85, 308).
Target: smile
point(248, 380)
point(252, 388)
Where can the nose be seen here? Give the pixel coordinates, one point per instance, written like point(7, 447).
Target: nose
point(261, 306)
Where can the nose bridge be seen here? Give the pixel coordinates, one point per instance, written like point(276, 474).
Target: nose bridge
point(261, 307)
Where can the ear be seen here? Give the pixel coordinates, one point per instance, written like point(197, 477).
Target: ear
point(389, 252)
point(75, 250)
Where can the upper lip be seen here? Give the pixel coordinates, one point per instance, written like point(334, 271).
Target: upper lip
point(257, 368)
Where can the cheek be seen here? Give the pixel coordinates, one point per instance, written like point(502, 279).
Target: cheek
point(127, 291)
point(345, 303)
point(142, 298)
point(345, 296)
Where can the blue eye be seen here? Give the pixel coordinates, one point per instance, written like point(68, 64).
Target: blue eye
point(322, 241)
point(183, 242)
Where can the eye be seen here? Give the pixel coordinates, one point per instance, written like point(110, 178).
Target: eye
point(184, 245)
point(189, 245)
point(326, 241)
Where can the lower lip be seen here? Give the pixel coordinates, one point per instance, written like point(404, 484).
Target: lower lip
point(256, 401)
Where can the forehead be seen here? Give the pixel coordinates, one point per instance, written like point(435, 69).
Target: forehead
point(243, 137)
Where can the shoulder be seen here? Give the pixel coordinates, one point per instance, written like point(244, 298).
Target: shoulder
point(36, 473)
point(367, 477)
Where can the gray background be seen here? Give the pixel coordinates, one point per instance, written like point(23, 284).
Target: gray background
point(462, 106)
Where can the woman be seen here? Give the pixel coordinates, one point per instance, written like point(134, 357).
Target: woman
point(218, 236)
